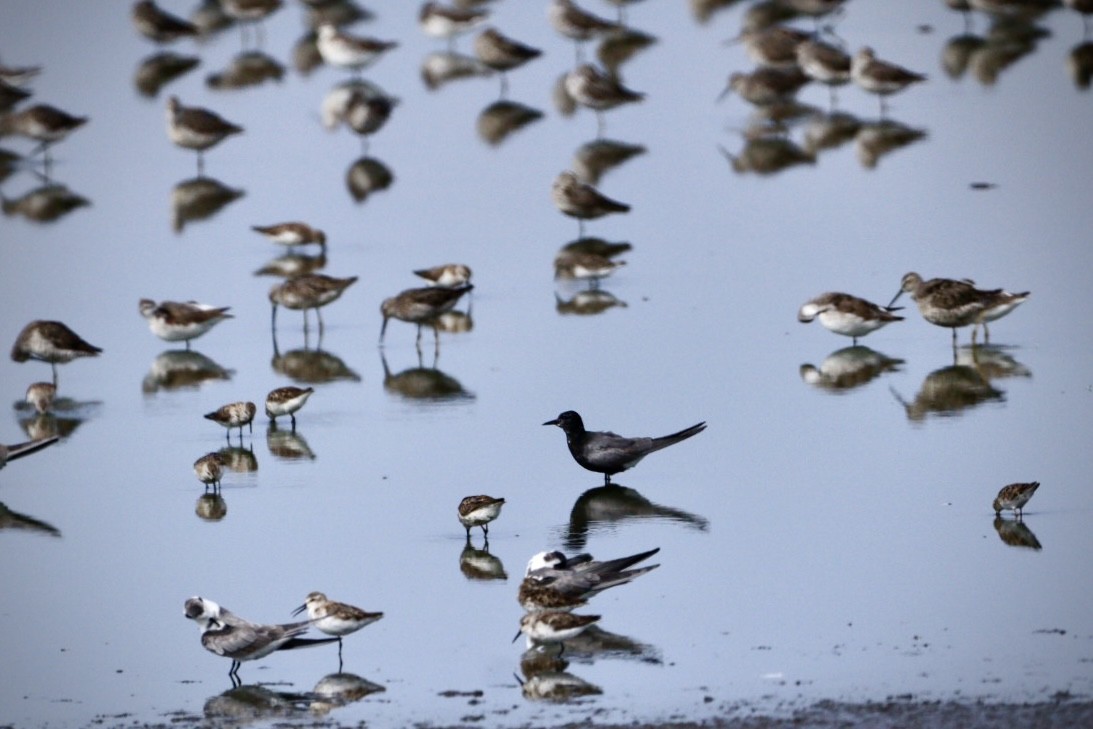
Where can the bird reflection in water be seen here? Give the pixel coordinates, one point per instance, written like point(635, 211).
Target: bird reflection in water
point(211, 507)
point(293, 264)
point(1080, 63)
point(605, 507)
point(595, 643)
point(479, 565)
point(991, 361)
point(366, 176)
point(239, 459)
point(287, 445)
point(181, 369)
point(500, 119)
point(15, 521)
point(45, 204)
point(160, 69)
point(619, 47)
point(767, 154)
point(848, 368)
point(1015, 533)
point(251, 703)
point(311, 366)
point(249, 68)
point(950, 391)
point(442, 67)
point(877, 139)
point(545, 679)
point(426, 384)
point(594, 159)
point(52, 416)
point(199, 198)
point(1006, 42)
point(829, 131)
point(587, 302)
point(340, 689)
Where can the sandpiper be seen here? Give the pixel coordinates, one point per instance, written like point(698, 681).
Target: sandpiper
point(208, 469)
point(765, 86)
point(226, 634)
point(1014, 497)
point(479, 511)
point(553, 627)
point(192, 127)
point(335, 618)
point(590, 267)
point(234, 415)
point(291, 234)
point(773, 47)
point(608, 453)
point(286, 401)
point(158, 25)
point(310, 291)
point(43, 123)
point(596, 90)
point(847, 315)
point(1005, 303)
point(366, 114)
point(448, 275)
point(344, 50)
point(420, 306)
point(582, 201)
point(443, 21)
point(50, 341)
point(40, 396)
point(173, 321)
point(950, 303)
point(574, 22)
point(880, 77)
point(502, 54)
point(824, 63)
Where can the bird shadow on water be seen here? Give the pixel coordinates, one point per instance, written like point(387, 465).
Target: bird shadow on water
point(603, 508)
point(478, 565)
point(848, 368)
point(179, 369)
point(253, 702)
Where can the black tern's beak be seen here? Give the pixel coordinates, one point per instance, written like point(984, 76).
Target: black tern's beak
point(552, 422)
point(300, 609)
point(894, 298)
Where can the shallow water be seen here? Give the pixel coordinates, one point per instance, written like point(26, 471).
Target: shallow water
point(816, 542)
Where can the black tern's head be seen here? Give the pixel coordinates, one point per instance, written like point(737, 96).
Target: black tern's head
point(567, 421)
point(200, 609)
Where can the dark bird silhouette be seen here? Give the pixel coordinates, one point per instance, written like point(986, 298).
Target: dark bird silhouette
point(607, 453)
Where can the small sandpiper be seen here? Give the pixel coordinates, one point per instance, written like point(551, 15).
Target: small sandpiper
point(582, 201)
point(448, 275)
point(596, 90)
point(553, 627)
point(43, 123)
point(344, 50)
point(479, 511)
point(335, 618)
point(192, 127)
point(773, 47)
point(366, 114)
point(443, 21)
point(847, 315)
point(590, 267)
point(824, 63)
point(880, 77)
point(173, 321)
point(234, 415)
point(1014, 497)
point(50, 341)
point(310, 291)
point(765, 86)
point(950, 303)
point(40, 396)
point(420, 306)
point(158, 25)
point(502, 54)
point(291, 234)
point(209, 469)
point(286, 401)
point(578, 24)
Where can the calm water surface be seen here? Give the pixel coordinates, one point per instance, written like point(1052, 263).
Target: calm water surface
point(816, 541)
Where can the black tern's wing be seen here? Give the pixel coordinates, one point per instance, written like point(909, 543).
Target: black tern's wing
point(621, 563)
point(234, 641)
point(611, 450)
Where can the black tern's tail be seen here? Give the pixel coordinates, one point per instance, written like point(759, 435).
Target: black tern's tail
point(620, 564)
point(614, 579)
point(667, 440)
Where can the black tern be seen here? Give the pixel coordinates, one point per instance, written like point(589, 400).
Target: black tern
point(607, 453)
point(553, 581)
point(13, 452)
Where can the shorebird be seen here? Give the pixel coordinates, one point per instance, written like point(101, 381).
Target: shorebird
point(847, 315)
point(50, 341)
point(608, 453)
point(344, 50)
point(366, 114)
point(553, 627)
point(18, 450)
point(479, 511)
point(234, 415)
point(192, 127)
point(310, 291)
point(335, 618)
point(950, 303)
point(208, 469)
point(286, 401)
point(590, 267)
point(553, 581)
point(172, 321)
point(880, 77)
point(40, 396)
point(291, 234)
point(774, 46)
point(43, 123)
point(502, 54)
point(158, 25)
point(765, 86)
point(420, 306)
point(442, 21)
point(448, 275)
point(582, 201)
point(578, 24)
point(226, 634)
point(1014, 497)
point(596, 90)
point(824, 63)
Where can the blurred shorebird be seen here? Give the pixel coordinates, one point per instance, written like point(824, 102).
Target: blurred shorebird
point(335, 618)
point(344, 50)
point(502, 54)
point(50, 341)
point(1014, 497)
point(596, 90)
point(765, 86)
point(310, 291)
point(824, 63)
point(448, 275)
point(234, 415)
point(420, 306)
point(226, 634)
point(286, 401)
point(608, 453)
point(578, 24)
point(847, 315)
point(443, 21)
point(773, 47)
point(208, 469)
point(366, 114)
point(158, 25)
point(291, 234)
point(40, 396)
point(192, 127)
point(582, 201)
point(589, 267)
point(43, 123)
point(553, 627)
point(173, 321)
point(949, 303)
point(479, 511)
point(880, 77)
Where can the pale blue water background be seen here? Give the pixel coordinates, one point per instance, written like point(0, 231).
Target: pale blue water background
point(836, 548)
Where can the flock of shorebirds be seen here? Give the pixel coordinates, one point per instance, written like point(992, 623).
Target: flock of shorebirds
point(553, 585)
